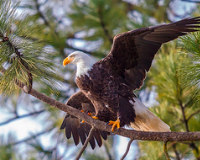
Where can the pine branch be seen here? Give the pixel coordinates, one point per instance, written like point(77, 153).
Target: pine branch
point(25, 64)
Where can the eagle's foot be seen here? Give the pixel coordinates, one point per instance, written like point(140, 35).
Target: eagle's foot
point(114, 124)
point(89, 114)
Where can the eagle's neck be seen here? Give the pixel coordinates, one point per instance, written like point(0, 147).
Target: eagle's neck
point(83, 66)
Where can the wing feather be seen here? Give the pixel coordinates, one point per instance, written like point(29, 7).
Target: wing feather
point(132, 52)
point(79, 131)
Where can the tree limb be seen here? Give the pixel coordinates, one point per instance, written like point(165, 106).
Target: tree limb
point(132, 134)
point(127, 149)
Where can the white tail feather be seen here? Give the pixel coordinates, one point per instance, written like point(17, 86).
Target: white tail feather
point(146, 121)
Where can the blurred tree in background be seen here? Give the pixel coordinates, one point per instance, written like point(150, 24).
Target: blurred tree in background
point(46, 31)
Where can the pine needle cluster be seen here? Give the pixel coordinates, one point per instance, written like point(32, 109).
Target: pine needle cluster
point(22, 57)
point(191, 67)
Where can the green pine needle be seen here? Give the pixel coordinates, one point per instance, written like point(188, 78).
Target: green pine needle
point(21, 54)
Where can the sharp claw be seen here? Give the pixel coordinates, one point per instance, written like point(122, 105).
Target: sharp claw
point(94, 117)
point(82, 121)
point(111, 122)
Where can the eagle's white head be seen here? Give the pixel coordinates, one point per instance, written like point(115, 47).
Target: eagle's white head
point(83, 61)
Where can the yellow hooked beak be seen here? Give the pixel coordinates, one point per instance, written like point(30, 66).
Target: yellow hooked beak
point(68, 60)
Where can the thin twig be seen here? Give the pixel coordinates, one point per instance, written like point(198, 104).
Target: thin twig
point(40, 13)
point(193, 114)
point(165, 150)
point(127, 149)
point(184, 116)
point(29, 138)
point(176, 152)
point(86, 142)
point(22, 116)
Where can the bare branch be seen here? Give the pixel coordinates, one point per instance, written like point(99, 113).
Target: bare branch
point(127, 149)
point(78, 49)
point(23, 116)
point(30, 138)
point(165, 150)
point(86, 142)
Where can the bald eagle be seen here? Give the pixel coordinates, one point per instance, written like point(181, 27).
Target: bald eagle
point(109, 83)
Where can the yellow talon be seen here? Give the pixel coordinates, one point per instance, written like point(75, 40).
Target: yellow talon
point(114, 124)
point(89, 114)
point(94, 117)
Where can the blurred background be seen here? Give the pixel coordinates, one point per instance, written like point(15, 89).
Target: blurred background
point(29, 129)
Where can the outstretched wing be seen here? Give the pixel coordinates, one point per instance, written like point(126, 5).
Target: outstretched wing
point(132, 52)
point(73, 125)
